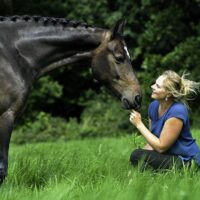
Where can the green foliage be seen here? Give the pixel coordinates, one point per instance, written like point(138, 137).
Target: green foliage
point(184, 57)
point(160, 35)
point(188, 54)
point(101, 117)
point(46, 128)
point(45, 92)
point(37, 7)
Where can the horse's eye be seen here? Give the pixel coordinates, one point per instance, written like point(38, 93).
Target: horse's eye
point(119, 59)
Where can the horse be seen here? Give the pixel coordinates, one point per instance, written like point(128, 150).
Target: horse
point(32, 46)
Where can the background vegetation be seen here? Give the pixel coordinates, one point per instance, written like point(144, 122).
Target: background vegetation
point(69, 104)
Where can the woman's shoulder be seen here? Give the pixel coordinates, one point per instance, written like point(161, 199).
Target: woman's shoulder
point(178, 110)
point(178, 106)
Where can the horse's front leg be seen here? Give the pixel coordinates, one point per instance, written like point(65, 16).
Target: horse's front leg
point(6, 126)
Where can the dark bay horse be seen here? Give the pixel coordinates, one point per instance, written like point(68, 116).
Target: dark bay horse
point(30, 47)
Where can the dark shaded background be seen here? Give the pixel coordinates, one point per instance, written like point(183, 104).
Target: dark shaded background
point(160, 34)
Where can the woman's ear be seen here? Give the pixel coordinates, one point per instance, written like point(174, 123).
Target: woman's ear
point(169, 96)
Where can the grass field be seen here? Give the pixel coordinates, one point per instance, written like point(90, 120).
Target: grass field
point(91, 169)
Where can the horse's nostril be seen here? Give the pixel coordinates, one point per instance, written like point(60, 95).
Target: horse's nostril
point(126, 103)
point(138, 99)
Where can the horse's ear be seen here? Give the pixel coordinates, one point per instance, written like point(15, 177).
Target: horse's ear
point(118, 28)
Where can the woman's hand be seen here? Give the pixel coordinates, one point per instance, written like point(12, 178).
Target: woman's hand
point(135, 118)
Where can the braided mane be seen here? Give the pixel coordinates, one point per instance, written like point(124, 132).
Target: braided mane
point(45, 20)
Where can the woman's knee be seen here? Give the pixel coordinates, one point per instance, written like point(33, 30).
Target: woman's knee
point(136, 156)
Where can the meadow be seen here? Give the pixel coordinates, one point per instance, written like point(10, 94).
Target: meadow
point(91, 169)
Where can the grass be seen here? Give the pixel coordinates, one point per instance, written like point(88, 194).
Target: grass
point(91, 169)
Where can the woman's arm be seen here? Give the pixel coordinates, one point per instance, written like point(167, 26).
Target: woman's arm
point(169, 134)
point(150, 124)
point(148, 146)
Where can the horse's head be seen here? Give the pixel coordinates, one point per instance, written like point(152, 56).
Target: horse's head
point(111, 65)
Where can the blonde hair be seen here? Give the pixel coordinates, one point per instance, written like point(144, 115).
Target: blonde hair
point(179, 87)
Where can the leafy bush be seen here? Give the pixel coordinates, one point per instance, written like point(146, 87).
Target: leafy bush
point(45, 92)
point(104, 117)
point(101, 117)
point(46, 128)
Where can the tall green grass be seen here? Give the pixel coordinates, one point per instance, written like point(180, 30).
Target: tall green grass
point(91, 169)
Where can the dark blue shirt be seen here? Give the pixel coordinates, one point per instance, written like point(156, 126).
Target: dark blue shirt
point(185, 146)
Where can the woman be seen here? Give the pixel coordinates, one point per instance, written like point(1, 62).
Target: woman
point(169, 140)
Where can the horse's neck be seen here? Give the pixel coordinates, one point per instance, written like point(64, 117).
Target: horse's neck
point(46, 47)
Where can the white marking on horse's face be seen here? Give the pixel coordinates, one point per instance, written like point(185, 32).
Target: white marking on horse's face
point(125, 48)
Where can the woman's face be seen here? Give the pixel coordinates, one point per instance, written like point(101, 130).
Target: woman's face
point(158, 90)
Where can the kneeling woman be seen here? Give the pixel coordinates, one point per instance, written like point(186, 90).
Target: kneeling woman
point(169, 140)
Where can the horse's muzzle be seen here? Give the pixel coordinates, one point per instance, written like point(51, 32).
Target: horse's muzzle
point(135, 104)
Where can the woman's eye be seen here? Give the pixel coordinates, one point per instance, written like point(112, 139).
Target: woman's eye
point(157, 86)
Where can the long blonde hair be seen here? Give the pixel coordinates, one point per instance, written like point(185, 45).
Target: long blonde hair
point(179, 87)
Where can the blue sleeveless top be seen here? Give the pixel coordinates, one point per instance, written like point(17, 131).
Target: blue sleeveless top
point(185, 146)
